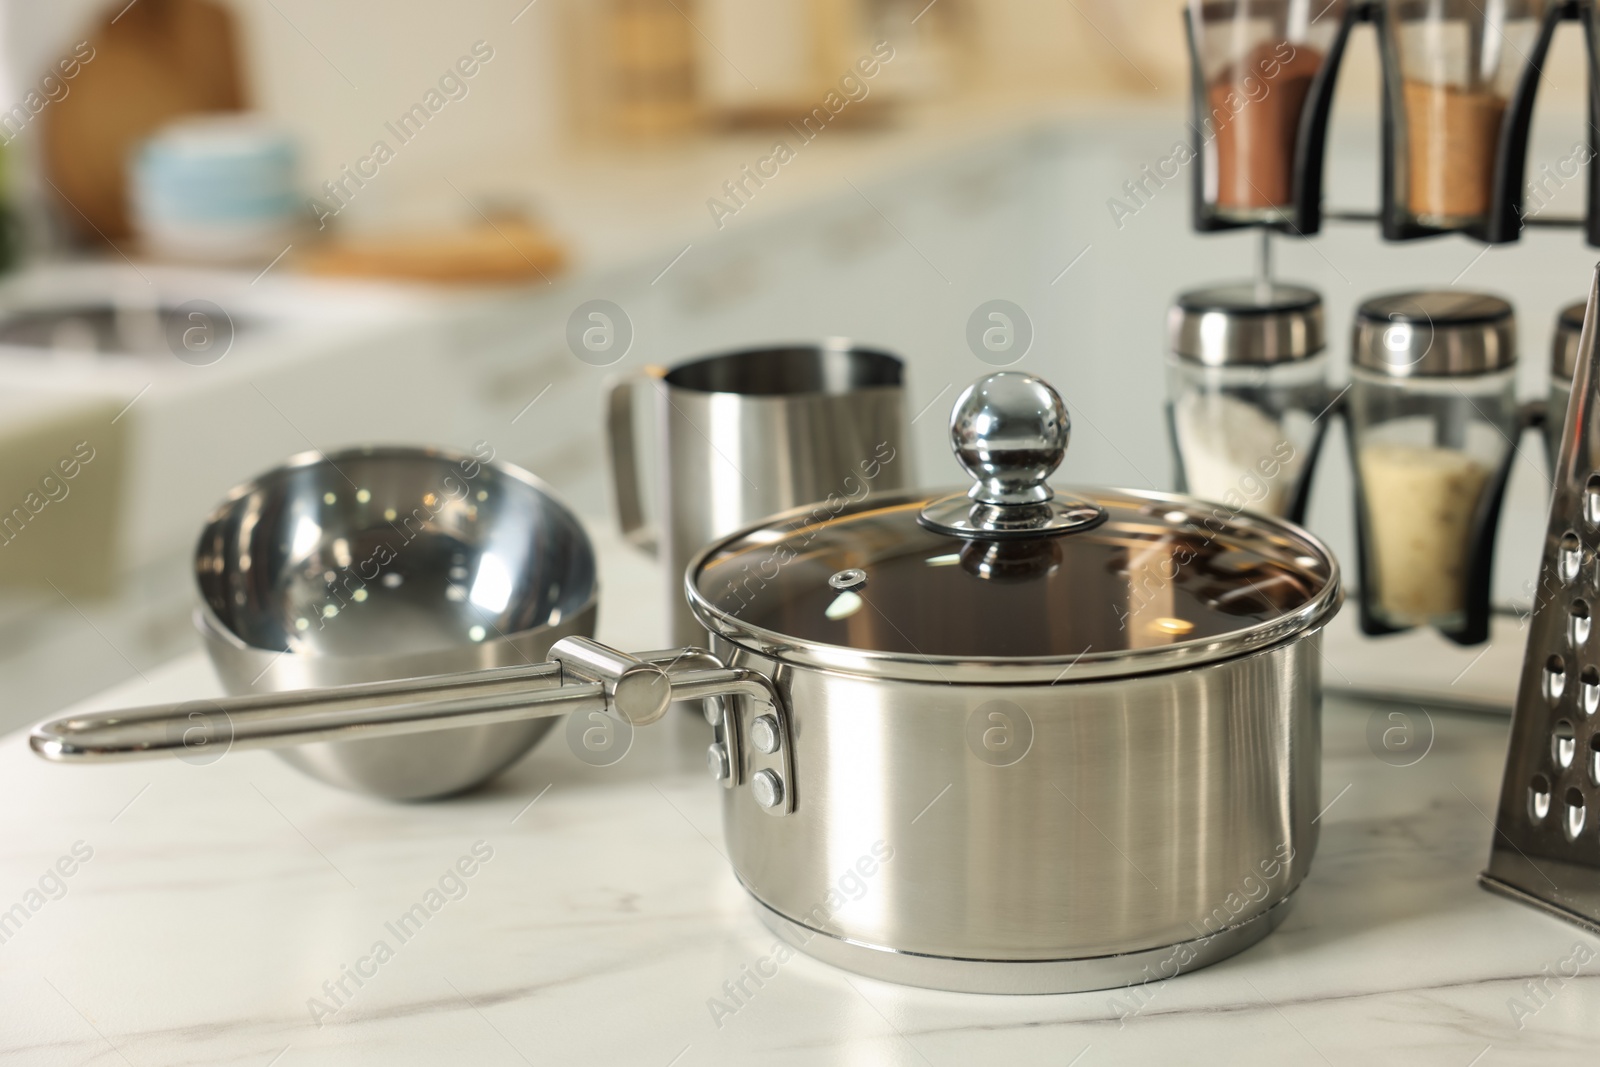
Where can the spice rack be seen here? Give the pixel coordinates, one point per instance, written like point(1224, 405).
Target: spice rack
point(1431, 408)
point(1459, 83)
point(1431, 411)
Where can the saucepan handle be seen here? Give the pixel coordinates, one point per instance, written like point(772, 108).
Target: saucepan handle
point(582, 675)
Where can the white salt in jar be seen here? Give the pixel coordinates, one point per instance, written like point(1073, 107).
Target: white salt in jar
point(1433, 414)
point(1246, 376)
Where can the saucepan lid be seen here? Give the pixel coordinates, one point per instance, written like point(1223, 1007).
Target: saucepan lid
point(1013, 581)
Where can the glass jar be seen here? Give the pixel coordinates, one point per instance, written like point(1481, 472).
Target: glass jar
point(1246, 375)
point(1433, 413)
point(1563, 364)
point(1256, 65)
point(1451, 69)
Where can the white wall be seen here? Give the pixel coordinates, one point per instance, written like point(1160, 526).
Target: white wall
point(336, 73)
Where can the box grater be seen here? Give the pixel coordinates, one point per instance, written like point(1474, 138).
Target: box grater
point(1547, 829)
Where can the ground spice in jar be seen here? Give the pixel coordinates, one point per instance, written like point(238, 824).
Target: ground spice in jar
point(1254, 107)
point(1420, 505)
point(1453, 136)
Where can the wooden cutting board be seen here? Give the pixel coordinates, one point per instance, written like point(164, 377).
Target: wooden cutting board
point(153, 62)
point(505, 251)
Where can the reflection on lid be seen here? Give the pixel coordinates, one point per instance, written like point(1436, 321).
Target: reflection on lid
point(844, 605)
point(1012, 561)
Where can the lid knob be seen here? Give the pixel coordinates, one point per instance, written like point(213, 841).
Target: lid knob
point(1010, 431)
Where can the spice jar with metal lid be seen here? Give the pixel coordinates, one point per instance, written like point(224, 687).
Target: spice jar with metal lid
point(1433, 414)
point(1458, 82)
point(1563, 362)
point(1262, 81)
point(1246, 374)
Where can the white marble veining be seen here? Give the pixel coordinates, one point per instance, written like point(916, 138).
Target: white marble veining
point(219, 899)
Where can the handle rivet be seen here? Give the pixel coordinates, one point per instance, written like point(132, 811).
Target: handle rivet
point(764, 734)
point(767, 788)
point(717, 762)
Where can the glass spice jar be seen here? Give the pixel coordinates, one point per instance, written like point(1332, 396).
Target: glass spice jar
point(1256, 63)
point(1433, 414)
point(1246, 374)
point(1563, 364)
point(1451, 68)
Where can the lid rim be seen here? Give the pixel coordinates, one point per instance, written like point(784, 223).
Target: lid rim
point(1085, 666)
point(964, 670)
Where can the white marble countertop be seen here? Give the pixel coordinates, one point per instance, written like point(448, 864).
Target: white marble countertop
point(216, 901)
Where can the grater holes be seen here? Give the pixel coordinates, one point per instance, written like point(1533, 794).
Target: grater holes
point(1539, 798)
point(1573, 814)
point(1594, 759)
point(1569, 557)
point(1591, 690)
point(1555, 678)
point(1564, 744)
point(1578, 623)
point(1591, 500)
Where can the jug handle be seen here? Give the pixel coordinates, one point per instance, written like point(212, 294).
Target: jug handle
point(624, 454)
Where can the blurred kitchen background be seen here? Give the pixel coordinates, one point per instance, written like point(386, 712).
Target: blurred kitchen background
point(211, 263)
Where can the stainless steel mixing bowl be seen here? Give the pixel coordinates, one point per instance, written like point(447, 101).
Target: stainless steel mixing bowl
point(376, 564)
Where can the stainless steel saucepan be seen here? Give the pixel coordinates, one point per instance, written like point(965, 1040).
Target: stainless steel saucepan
point(997, 741)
